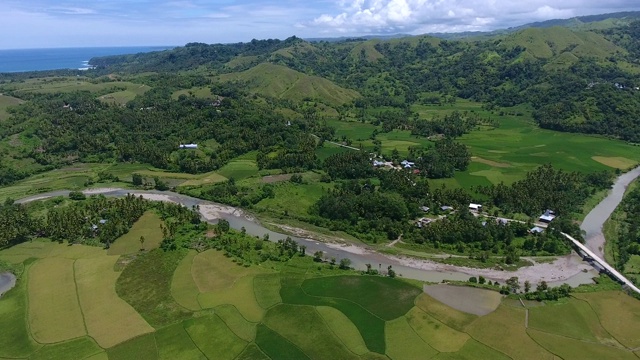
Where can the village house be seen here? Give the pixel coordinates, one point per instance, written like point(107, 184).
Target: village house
point(446, 208)
point(425, 208)
point(475, 207)
point(547, 217)
point(423, 222)
point(188, 146)
point(536, 230)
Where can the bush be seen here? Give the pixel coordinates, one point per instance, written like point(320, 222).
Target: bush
point(77, 195)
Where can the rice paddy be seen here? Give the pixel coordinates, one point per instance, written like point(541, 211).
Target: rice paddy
point(189, 305)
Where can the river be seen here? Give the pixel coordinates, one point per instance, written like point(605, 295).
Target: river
point(569, 269)
point(593, 222)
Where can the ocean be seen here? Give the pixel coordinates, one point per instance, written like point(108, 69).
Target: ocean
point(17, 60)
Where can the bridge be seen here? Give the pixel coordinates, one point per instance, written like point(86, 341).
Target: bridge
point(603, 263)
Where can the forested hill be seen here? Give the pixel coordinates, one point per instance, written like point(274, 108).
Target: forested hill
point(577, 81)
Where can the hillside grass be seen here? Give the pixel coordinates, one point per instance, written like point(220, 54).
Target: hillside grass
point(5, 102)
point(282, 82)
point(148, 226)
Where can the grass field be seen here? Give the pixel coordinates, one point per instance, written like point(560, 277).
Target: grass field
point(267, 290)
point(141, 348)
point(109, 319)
point(294, 199)
point(276, 346)
point(239, 169)
point(438, 335)
point(66, 322)
point(146, 285)
point(212, 271)
point(240, 295)
point(619, 314)
point(404, 343)
point(575, 349)
point(202, 92)
point(252, 352)
point(214, 338)
point(148, 226)
point(173, 342)
point(383, 297)
point(80, 348)
point(505, 153)
point(304, 327)
point(16, 343)
point(242, 328)
point(124, 96)
point(343, 329)
point(296, 313)
point(581, 322)
point(492, 329)
point(183, 288)
point(5, 102)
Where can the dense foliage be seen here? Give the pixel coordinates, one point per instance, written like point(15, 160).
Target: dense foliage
point(628, 243)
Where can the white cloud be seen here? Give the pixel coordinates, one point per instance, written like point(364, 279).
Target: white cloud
point(379, 16)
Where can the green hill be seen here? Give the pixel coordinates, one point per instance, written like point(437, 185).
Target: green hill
point(366, 50)
point(548, 43)
point(281, 82)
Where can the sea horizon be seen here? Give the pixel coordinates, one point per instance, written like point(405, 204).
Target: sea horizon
point(76, 58)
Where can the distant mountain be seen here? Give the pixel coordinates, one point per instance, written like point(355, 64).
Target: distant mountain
point(359, 38)
point(590, 22)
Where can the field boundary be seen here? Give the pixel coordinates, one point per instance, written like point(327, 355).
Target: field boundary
point(324, 321)
point(600, 322)
point(84, 320)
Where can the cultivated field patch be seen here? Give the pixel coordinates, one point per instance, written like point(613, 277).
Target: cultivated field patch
point(243, 329)
point(141, 348)
point(252, 352)
point(490, 162)
point(568, 348)
point(616, 162)
point(575, 319)
point(619, 314)
point(276, 346)
point(54, 312)
point(214, 338)
point(109, 319)
point(16, 343)
point(212, 271)
point(183, 288)
point(80, 348)
point(267, 290)
point(305, 328)
point(438, 335)
point(240, 295)
point(473, 350)
point(404, 343)
point(385, 297)
point(504, 330)
point(466, 299)
point(146, 285)
point(174, 343)
point(148, 226)
point(344, 329)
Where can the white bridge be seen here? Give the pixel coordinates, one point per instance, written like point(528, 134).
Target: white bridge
point(603, 263)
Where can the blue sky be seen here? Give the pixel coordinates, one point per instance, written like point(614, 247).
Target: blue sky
point(72, 23)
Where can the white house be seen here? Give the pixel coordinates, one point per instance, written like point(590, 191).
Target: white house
point(548, 216)
point(424, 208)
point(536, 230)
point(475, 207)
point(188, 146)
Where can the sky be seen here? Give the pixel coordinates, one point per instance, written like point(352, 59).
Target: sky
point(86, 23)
